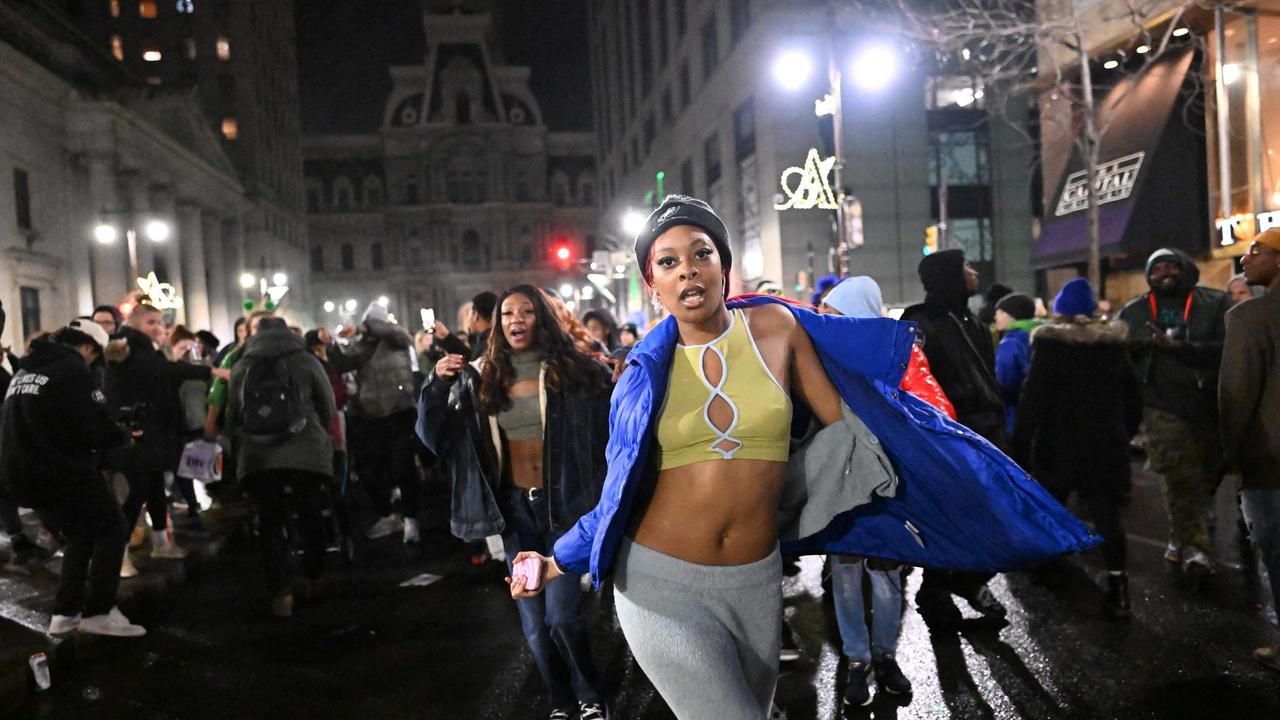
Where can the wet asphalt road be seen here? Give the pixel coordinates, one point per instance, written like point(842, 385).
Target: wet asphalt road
point(453, 649)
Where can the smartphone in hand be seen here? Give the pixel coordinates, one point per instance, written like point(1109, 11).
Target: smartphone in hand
point(428, 319)
point(531, 570)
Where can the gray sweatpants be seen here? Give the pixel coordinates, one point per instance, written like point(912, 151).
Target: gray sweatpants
point(707, 636)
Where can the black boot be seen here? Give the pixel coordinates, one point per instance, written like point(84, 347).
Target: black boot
point(1116, 604)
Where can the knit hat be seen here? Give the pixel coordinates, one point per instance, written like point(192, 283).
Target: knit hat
point(92, 329)
point(1075, 299)
point(1018, 306)
point(825, 283)
point(375, 311)
point(682, 210)
point(857, 297)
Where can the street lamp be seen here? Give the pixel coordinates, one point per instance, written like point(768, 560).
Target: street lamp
point(383, 300)
point(792, 69)
point(329, 306)
point(247, 281)
point(633, 222)
point(874, 67)
point(279, 279)
point(156, 230)
point(350, 305)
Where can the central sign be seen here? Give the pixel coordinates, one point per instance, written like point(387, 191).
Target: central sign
point(1115, 181)
point(812, 190)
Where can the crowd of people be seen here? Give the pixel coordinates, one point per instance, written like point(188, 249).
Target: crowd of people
point(576, 448)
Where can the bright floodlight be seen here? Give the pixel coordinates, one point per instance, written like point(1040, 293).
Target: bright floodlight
point(633, 222)
point(1180, 32)
point(329, 306)
point(156, 230)
point(566, 291)
point(279, 279)
point(105, 234)
point(1143, 49)
point(874, 67)
point(1111, 64)
point(792, 69)
point(247, 281)
point(351, 305)
point(383, 300)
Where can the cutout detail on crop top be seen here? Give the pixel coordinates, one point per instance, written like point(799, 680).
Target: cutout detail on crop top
point(759, 409)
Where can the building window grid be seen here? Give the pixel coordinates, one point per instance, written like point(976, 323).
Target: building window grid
point(22, 198)
point(711, 153)
point(710, 46)
point(348, 257)
point(645, 20)
point(685, 82)
point(744, 129)
point(376, 257)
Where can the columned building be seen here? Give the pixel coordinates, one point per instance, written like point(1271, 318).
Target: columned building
point(109, 184)
point(463, 189)
point(239, 59)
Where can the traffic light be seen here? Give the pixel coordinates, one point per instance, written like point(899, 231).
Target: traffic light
point(561, 254)
point(931, 240)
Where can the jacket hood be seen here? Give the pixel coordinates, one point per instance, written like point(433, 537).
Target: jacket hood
point(1092, 332)
point(857, 297)
point(45, 353)
point(126, 341)
point(1190, 273)
point(942, 275)
point(273, 343)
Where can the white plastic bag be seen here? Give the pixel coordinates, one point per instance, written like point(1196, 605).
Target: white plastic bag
point(201, 460)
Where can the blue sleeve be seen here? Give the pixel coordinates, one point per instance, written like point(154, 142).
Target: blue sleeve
point(1011, 366)
point(573, 550)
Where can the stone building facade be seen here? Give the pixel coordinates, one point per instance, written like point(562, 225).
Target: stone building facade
point(463, 189)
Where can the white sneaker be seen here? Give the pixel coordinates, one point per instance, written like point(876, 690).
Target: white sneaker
point(127, 569)
point(164, 548)
point(114, 624)
point(411, 531)
point(384, 527)
point(60, 625)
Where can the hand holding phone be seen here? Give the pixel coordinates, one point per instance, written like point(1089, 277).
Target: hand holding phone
point(428, 319)
point(530, 569)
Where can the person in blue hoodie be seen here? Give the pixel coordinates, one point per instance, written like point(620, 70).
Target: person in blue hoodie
point(1015, 317)
point(702, 484)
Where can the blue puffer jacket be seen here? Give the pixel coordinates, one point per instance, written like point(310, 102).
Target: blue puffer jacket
point(961, 503)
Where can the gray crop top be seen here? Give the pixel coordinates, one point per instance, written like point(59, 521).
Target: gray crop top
point(523, 420)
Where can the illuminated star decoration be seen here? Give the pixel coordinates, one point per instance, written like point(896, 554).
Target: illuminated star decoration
point(161, 296)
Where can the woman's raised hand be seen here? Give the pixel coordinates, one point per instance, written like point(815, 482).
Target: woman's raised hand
point(449, 365)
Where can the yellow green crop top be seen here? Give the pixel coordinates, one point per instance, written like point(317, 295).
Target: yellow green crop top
point(760, 428)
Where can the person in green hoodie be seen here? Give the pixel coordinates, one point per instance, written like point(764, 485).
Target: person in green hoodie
point(1015, 318)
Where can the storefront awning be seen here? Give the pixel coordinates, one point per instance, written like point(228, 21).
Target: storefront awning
point(1130, 183)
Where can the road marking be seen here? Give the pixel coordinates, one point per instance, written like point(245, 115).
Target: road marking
point(422, 580)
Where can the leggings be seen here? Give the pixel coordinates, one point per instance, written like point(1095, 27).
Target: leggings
point(146, 487)
point(706, 636)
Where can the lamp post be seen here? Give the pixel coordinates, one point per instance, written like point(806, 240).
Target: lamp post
point(155, 230)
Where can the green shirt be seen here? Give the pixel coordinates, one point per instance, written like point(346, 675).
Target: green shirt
point(218, 390)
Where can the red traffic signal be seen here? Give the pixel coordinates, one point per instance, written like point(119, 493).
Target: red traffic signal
point(561, 253)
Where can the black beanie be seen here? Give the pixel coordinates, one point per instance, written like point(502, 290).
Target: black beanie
point(1019, 306)
point(682, 210)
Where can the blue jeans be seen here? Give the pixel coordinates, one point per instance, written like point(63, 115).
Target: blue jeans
point(1261, 510)
point(552, 625)
point(886, 609)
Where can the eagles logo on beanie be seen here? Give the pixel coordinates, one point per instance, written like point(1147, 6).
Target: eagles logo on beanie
point(682, 210)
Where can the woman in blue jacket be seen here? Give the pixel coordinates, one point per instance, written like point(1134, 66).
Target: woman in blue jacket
point(702, 483)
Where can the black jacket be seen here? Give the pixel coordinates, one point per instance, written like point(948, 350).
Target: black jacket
point(1079, 406)
point(1182, 380)
point(958, 347)
point(573, 459)
point(53, 426)
point(140, 375)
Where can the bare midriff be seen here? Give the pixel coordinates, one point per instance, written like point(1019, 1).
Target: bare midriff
point(715, 512)
point(526, 463)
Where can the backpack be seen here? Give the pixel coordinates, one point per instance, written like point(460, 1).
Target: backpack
point(270, 403)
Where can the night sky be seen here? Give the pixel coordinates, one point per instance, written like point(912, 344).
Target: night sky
point(345, 48)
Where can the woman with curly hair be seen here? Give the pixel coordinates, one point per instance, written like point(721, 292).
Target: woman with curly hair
point(523, 429)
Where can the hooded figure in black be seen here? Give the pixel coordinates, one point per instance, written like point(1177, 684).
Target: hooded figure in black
point(1176, 332)
point(963, 360)
point(958, 346)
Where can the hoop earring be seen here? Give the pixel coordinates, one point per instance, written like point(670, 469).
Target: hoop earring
point(657, 304)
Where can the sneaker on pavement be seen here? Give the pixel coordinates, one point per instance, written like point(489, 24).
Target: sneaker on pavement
point(127, 568)
point(163, 546)
point(593, 711)
point(985, 602)
point(858, 690)
point(889, 677)
point(282, 605)
point(558, 714)
point(411, 534)
point(1173, 552)
point(1268, 656)
point(62, 624)
point(1196, 562)
point(384, 527)
point(114, 624)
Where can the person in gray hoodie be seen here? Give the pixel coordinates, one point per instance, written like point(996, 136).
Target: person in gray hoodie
point(287, 467)
point(384, 411)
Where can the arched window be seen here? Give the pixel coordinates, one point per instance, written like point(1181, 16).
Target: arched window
point(343, 194)
point(373, 191)
point(348, 257)
point(560, 189)
point(466, 180)
point(315, 195)
point(475, 253)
